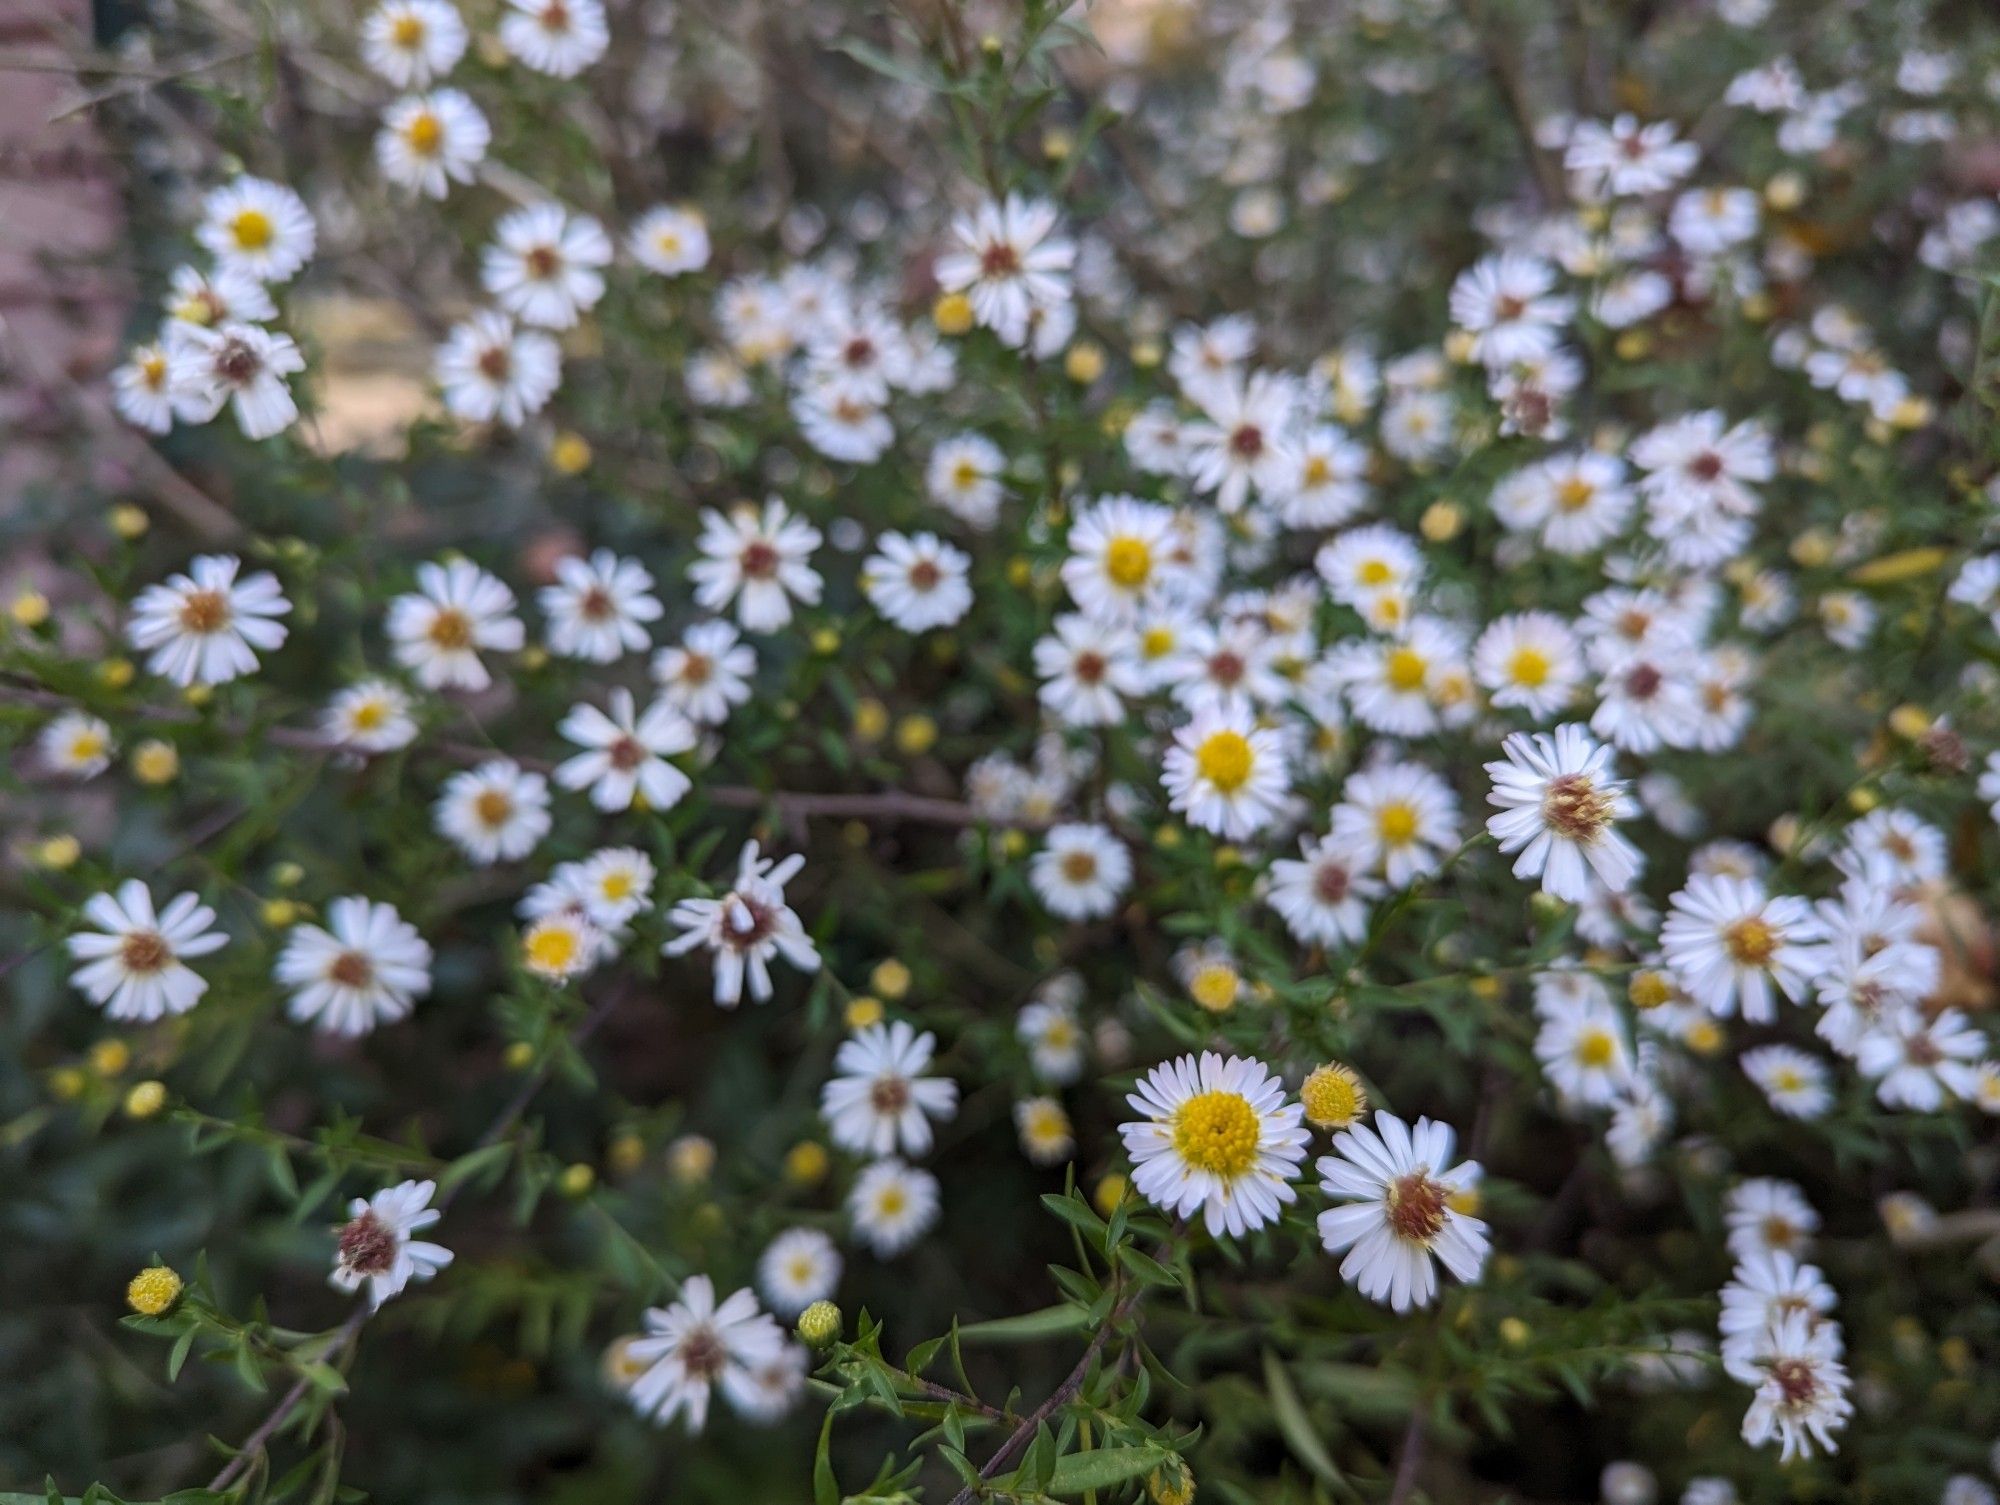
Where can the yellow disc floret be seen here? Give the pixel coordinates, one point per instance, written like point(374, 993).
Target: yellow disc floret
point(153, 1290)
point(1225, 759)
point(1217, 1132)
point(1333, 1096)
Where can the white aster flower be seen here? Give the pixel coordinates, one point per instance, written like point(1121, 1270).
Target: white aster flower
point(598, 607)
point(917, 581)
point(1323, 895)
point(132, 962)
point(707, 674)
point(545, 265)
point(457, 611)
point(746, 927)
point(375, 1249)
point(878, 1102)
point(76, 745)
point(368, 967)
point(1081, 872)
point(892, 1205)
point(430, 141)
point(496, 812)
point(624, 757)
point(797, 1268)
point(201, 627)
point(1006, 258)
point(1215, 1136)
point(670, 240)
point(258, 227)
point(1802, 1400)
point(759, 560)
point(695, 1347)
point(371, 717)
point(1406, 1201)
point(557, 37)
point(1732, 945)
point(1226, 774)
point(1559, 799)
point(490, 370)
point(411, 42)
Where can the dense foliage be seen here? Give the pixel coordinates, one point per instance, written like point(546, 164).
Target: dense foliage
point(1246, 750)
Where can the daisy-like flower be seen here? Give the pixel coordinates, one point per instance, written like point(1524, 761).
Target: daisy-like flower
point(878, 1102)
point(917, 581)
point(1229, 668)
point(496, 812)
point(1648, 702)
point(1767, 1216)
point(1392, 682)
point(411, 42)
point(258, 227)
point(1398, 817)
point(1087, 670)
point(963, 477)
point(1121, 557)
point(368, 967)
point(759, 560)
point(1243, 445)
point(1765, 1289)
point(133, 963)
point(241, 366)
point(1227, 774)
point(1794, 1082)
point(1215, 1136)
point(1006, 258)
point(1574, 503)
point(562, 944)
point(1802, 1400)
point(707, 674)
point(1558, 802)
point(544, 265)
point(839, 424)
point(1081, 872)
point(201, 627)
point(1049, 1027)
point(614, 884)
point(1406, 1198)
point(1364, 564)
point(1047, 1137)
point(695, 1346)
point(670, 240)
point(142, 389)
point(1582, 1048)
point(490, 370)
point(797, 1268)
point(558, 37)
point(625, 754)
point(1730, 945)
point(1896, 846)
point(892, 1205)
point(76, 745)
point(1324, 894)
point(457, 611)
point(1624, 159)
point(1529, 659)
point(1327, 483)
point(746, 927)
point(1920, 1061)
point(374, 1247)
point(210, 299)
point(370, 717)
point(599, 607)
point(430, 141)
point(1509, 305)
point(1709, 221)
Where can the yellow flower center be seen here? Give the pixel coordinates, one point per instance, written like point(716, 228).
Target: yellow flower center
point(1405, 669)
point(424, 133)
point(408, 31)
point(1225, 760)
point(1128, 561)
point(1318, 472)
point(616, 885)
point(369, 715)
point(891, 1201)
point(85, 746)
point(1396, 824)
point(552, 948)
point(1374, 572)
point(1333, 1097)
point(252, 229)
point(1217, 1132)
point(1529, 667)
point(1575, 494)
point(1595, 1049)
point(1215, 987)
point(1750, 942)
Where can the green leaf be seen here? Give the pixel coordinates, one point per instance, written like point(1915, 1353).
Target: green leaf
point(1294, 1425)
point(1049, 1322)
point(826, 1489)
point(1148, 1269)
point(1103, 1468)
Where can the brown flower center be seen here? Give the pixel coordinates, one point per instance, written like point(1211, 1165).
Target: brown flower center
point(1574, 807)
point(1416, 1207)
point(451, 630)
point(351, 970)
point(626, 754)
point(145, 951)
point(759, 560)
point(889, 1094)
point(367, 1246)
point(204, 611)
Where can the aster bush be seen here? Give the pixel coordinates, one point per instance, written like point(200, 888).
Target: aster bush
point(1233, 751)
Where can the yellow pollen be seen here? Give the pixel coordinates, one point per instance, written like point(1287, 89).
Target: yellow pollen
point(891, 1201)
point(1595, 1049)
point(1529, 667)
point(1750, 942)
point(1374, 572)
point(1157, 642)
point(1225, 760)
point(451, 629)
point(369, 715)
point(1128, 561)
point(86, 745)
point(1333, 1097)
point(1318, 472)
point(551, 948)
point(424, 133)
point(1575, 494)
point(1217, 1132)
point(408, 31)
point(1215, 988)
point(1405, 669)
point(252, 229)
point(1396, 824)
point(616, 885)
point(493, 807)
point(965, 475)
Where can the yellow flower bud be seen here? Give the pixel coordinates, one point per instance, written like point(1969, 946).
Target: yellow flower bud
point(626, 1152)
point(576, 1180)
point(155, 762)
point(952, 313)
point(153, 1290)
point(1649, 989)
point(806, 1163)
point(29, 609)
point(279, 913)
point(863, 1011)
point(66, 1083)
point(1013, 844)
point(1333, 1096)
point(518, 1056)
point(128, 521)
point(1909, 722)
point(1083, 363)
point(1109, 1192)
point(1215, 987)
point(916, 734)
point(1441, 521)
point(59, 852)
point(145, 1099)
point(110, 1057)
point(691, 1159)
point(569, 454)
point(1147, 354)
point(1514, 1332)
point(891, 978)
point(819, 1324)
point(871, 720)
point(826, 641)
